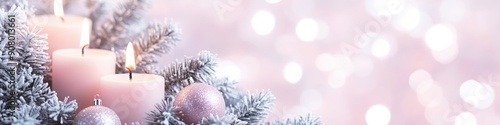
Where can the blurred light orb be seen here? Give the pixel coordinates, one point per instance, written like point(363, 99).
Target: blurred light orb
point(465, 118)
point(324, 62)
point(408, 19)
point(342, 63)
point(447, 55)
point(375, 7)
point(292, 72)
point(417, 77)
point(307, 29)
point(228, 69)
point(311, 99)
point(430, 94)
point(479, 95)
point(363, 65)
point(263, 22)
point(381, 48)
point(378, 115)
point(273, 1)
point(337, 79)
point(440, 37)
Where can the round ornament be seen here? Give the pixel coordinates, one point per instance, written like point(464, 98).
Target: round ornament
point(97, 115)
point(198, 100)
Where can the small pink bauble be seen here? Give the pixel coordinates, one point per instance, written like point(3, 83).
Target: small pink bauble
point(97, 115)
point(198, 100)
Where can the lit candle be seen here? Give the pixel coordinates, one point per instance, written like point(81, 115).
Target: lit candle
point(76, 72)
point(63, 30)
point(132, 95)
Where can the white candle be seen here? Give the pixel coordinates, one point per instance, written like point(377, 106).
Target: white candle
point(63, 30)
point(132, 95)
point(77, 75)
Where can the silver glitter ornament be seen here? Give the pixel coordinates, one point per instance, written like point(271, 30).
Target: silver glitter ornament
point(97, 115)
point(198, 100)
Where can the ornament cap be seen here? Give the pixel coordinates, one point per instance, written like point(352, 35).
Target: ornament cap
point(97, 100)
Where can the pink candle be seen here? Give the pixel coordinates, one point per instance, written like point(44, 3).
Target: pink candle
point(63, 31)
point(77, 75)
point(132, 95)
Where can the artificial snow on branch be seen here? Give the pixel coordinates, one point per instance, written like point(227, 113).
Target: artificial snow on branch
point(254, 107)
point(23, 66)
point(302, 120)
point(159, 39)
point(126, 22)
point(180, 74)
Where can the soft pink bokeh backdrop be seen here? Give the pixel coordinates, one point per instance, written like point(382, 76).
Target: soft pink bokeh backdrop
point(411, 67)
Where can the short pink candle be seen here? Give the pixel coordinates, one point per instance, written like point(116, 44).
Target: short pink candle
point(132, 99)
point(77, 76)
point(132, 95)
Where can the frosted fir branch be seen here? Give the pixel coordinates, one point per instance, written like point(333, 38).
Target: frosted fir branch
point(29, 46)
point(27, 114)
point(60, 112)
point(228, 88)
point(164, 113)
point(227, 119)
point(98, 10)
point(125, 24)
point(182, 73)
point(159, 39)
point(309, 119)
point(254, 107)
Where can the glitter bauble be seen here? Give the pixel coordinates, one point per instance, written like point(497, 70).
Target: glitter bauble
point(97, 115)
point(198, 100)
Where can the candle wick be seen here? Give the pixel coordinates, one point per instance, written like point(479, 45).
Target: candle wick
point(129, 74)
point(62, 19)
point(83, 49)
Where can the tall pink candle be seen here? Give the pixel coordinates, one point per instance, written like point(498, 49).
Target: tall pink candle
point(131, 96)
point(64, 31)
point(76, 73)
point(77, 76)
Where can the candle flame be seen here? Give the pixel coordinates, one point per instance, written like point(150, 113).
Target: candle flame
point(58, 8)
point(130, 57)
point(85, 36)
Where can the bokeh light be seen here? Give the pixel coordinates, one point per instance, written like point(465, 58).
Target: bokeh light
point(417, 77)
point(440, 37)
point(337, 79)
point(465, 118)
point(381, 48)
point(228, 69)
point(429, 94)
point(292, 72)
point(477, 94)
point(324, 62)
point(408, 19)
point(263, 22)
point(378, 115)
point(307, 29)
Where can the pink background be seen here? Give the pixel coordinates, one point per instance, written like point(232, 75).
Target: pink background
point(411, 65)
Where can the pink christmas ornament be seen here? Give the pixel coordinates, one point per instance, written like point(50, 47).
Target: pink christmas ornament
point(198, 100)
point(97, 115)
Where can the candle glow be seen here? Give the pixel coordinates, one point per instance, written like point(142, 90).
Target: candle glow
point(130, 57)
point(85, 36)
point(58, 9)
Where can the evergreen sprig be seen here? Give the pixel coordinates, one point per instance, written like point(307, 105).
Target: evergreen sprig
point(190, 70)
point(254, 107)
point(302, 120)
point(126, 22)
point(159, 39)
